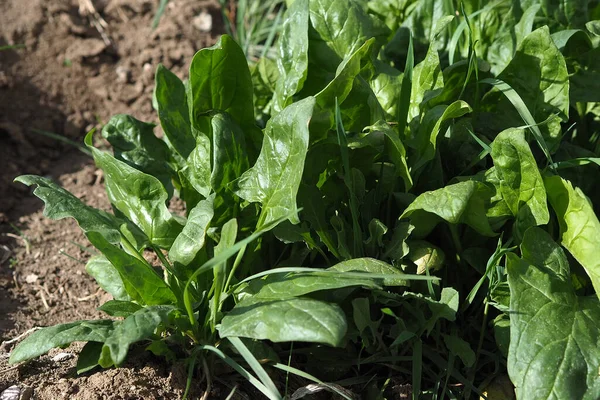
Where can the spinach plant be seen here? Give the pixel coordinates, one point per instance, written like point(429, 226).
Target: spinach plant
point(390, 197)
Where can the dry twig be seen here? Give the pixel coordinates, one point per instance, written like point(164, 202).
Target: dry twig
point(87, 9)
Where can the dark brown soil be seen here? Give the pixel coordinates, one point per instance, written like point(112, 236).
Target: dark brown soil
point(70, 77)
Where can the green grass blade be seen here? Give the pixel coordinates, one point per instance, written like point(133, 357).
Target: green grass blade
point(272, 32)
point(159, 12)
point(221, 258)
point(254, 364)
point(243, 372)
point(63, 139)
point(405, 92)
point(309, 377)
point(343, 143)
point(13, 47)
point(523, 111)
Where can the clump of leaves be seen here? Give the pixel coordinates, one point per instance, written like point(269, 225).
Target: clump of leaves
point(390, 222)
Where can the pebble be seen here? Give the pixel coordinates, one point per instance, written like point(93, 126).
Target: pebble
point(16, 393)
point(60, 357)
point(203, 22)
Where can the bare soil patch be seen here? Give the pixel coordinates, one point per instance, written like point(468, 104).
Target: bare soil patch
point(79, 67)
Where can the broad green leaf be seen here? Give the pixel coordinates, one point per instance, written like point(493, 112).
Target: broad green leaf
point(117, 308)
point(463, 202)
point(45, 339)
point(339, 88)
point(62, 204)
point(196, 173)
point(343, 26)
point(372, 266)
point(554, 334)
point(579, 225)
point(394, 148)
point(292, 54)
point(134, 143)
point(229, 159)
point(140, 197)
point(538, 73)
point(367, 328)
point(445, 308)
point(274, 179)
point(141, 281)
point(460, 348)
point(426, 137)
point(107, 277)
point(566, 14)
point(397, 248)
point(509, 36)
point(229, 233)
point(220, 81)
point(191, 239)
point(282, 286)
point(88, 357)
point(138, 326)
point(427, 78)
point(424, 21)
point(294, 319)
point(521, 184)
point(173, 111)
point(387, 86)
point(313, 211)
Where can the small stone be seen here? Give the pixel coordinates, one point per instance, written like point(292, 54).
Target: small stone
point(123, 74)
point(31, 278)
point(203, 22)
point(60, 357)
point(11, 393)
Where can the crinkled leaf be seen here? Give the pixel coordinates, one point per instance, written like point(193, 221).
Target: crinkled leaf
point(142, 283)
point(425, 141)
point(117, 308)
point(538, 73)
point(140, 197)
point(342, 26)
point(521, 184)
point(340, 87)
point(220, 81)
point(62, 204)
point(138, 326)
point(294, 319)
point(274, 179)
point(229, 159)
point(45, 339)
point(134, 143)
point(579, 225)
point(554, 334)
point(463, 202)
